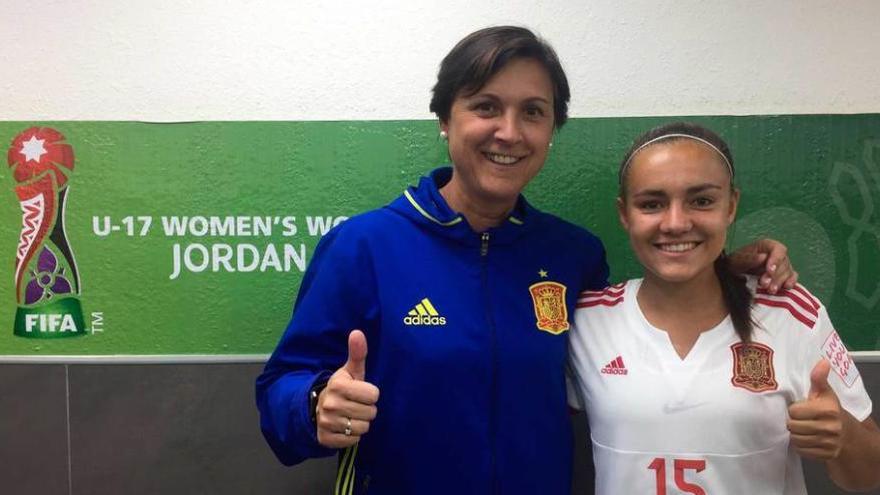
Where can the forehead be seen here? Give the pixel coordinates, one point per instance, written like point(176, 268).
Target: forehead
point(678, 163)
point(520, 77)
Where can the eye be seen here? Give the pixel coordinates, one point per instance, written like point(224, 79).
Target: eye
point(703, 202)
point(485, 108)
point(649, 206)
point(534, 112)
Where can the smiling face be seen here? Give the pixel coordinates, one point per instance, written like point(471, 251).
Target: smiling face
point(677, 206)
point(499, 136)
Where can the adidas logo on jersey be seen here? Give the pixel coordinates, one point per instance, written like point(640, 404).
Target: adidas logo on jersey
point(615, 367)
point(424, 314)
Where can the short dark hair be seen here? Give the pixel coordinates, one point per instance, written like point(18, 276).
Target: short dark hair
point(480, 55)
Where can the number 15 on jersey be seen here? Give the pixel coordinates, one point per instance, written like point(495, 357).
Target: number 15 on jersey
point(679, 467)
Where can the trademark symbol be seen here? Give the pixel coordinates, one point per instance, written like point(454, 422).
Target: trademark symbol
point(97, 322)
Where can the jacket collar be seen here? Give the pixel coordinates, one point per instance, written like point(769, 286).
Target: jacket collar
point(423, 204)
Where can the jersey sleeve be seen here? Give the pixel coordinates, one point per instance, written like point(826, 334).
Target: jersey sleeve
point(844, 377)
point(336, 296)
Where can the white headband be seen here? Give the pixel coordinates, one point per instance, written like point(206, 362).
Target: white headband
point(674, 135)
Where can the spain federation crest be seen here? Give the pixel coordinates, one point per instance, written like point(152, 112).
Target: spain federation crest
point(753, 367)
point(548, 299)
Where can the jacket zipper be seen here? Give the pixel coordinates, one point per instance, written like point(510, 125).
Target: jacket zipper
point(493, 413)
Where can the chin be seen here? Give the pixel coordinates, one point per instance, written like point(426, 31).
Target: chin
point(672, 278)
point(678, 274)
point(502, 190)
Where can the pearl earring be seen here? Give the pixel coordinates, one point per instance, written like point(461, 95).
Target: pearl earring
point(444, 135)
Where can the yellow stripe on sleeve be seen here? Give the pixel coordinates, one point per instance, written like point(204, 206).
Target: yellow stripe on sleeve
point(343, 473)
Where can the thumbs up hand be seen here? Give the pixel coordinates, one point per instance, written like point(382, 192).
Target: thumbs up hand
point(817, 424)
point(348, 403)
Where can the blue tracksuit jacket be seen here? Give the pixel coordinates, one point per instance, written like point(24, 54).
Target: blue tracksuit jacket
point(467, 343)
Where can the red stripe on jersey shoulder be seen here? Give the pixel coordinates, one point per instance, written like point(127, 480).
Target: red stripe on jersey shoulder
point(616, 290)
point(793, 295)
point(784, 304)
point(609, 296)
point(804, 292)
point(598, 302)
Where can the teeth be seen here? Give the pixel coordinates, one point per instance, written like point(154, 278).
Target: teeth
point(678, 248)
point(503, 159)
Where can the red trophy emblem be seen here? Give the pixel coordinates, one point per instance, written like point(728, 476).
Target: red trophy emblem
point(46, 278)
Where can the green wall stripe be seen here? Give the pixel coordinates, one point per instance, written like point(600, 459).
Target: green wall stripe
point(812, 181)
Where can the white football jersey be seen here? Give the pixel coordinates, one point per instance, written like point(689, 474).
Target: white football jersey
point(715, 421)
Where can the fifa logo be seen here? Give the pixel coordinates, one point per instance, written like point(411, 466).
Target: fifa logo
point(47, 285)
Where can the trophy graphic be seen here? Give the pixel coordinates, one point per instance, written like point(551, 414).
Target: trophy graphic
point(47, 285)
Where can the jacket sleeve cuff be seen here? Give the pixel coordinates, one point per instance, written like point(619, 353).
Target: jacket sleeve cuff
point(305, 414)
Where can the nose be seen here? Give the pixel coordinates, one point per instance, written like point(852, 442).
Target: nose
point(676, 219)
point(509, 130)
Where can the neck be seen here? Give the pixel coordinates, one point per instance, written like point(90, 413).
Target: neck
point(481, 215)
point(683, 309)
point(701, 292)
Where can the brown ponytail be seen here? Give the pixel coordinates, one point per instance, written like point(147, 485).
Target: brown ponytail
point(737, 298)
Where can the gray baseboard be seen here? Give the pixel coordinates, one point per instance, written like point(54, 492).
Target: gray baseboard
point(72, 429)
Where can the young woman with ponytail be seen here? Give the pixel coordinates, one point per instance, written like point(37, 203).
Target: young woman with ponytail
point(694, 379)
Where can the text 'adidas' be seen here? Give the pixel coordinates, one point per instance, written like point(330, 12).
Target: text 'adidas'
point(615, 367)
point(424, 314)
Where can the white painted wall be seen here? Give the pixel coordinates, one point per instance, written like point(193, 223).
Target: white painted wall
point(180, 60)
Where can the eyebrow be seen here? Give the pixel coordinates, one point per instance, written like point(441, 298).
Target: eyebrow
point(691, 190)
point(496, 97)
point(538, 98)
